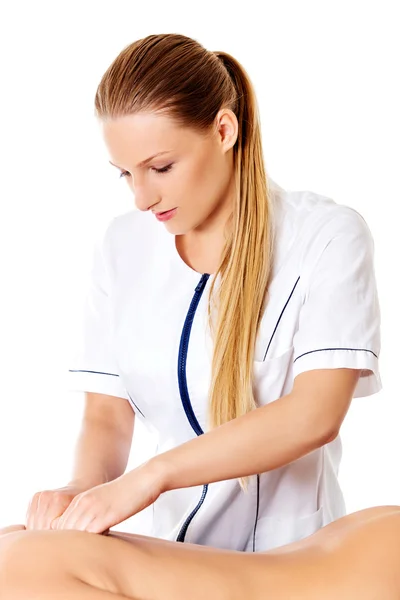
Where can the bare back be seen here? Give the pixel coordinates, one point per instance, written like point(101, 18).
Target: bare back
point(354, 558)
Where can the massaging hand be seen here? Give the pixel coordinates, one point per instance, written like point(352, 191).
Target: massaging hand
point(106, 505)
point(47, 505)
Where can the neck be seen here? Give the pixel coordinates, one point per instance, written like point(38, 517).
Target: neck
point(202, 247)
point(202, 252)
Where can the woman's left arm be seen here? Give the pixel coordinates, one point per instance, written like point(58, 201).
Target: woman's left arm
point(267, 438)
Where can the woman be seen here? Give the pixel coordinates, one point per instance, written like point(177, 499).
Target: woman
point(247, 411)
point(356, 557)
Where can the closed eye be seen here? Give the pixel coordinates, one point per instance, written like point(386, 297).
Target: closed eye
point(162, 170)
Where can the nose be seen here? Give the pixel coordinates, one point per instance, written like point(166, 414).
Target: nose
point(144, 200)
point(142, 203)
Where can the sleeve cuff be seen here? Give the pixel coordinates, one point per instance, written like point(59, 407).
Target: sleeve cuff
point(351, 358)
point(93, 381)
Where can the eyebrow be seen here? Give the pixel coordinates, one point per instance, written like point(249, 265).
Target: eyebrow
point(144, 162)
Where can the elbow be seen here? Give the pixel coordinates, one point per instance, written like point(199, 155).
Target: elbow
point(328, 434)
point(323, 428)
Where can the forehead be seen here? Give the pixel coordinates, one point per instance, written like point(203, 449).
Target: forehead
point(138, 125)
point(144, 134)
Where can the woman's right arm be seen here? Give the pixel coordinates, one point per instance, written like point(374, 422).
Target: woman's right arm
point(101, 455)
point(104, 443)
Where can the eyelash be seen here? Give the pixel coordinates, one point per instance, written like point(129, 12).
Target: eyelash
point(159, 171)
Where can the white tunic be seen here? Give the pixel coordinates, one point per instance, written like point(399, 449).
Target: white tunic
point(145, 338)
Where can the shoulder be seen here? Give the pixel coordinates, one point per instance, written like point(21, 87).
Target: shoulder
point(309, 226)
point(314, 219)
point(341, 227)
point(308, 212)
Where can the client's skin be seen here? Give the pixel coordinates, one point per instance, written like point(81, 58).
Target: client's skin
point(354, 558)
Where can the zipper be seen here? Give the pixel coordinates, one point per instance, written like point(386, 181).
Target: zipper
point(184, 392)
point(182, 356)
point(184, 528)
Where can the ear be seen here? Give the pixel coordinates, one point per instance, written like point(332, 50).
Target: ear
point(227, 127)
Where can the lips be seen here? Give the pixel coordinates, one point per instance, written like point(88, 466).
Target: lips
point(165, 215)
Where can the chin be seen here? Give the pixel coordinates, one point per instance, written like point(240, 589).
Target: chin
point(175, 228)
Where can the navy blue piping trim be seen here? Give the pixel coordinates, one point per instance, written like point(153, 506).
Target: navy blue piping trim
point(280, 316)
point(101, 373)
point(98, 372)
point(182, 356)
point(184, 528)
point(323, 349)
point(135, 405)
point(184, 392)
point(257, 509)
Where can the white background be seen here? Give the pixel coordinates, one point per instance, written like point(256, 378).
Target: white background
point(326, 77)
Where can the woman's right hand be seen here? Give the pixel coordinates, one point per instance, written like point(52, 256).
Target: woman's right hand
point(50, 504)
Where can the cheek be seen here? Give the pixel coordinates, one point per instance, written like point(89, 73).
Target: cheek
point(205, 180)
point(195, 186)
point(184, 188)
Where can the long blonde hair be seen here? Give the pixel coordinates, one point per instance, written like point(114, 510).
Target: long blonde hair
point(175, 74)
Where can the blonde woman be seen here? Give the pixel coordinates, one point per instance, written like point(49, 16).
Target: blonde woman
point(236, 319)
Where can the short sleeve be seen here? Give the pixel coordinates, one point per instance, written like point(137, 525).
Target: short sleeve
point(93, 366)
point(339, 321)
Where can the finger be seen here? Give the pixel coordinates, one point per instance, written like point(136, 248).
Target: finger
point(62, 521)
point(39, 509)
point(51, 505)
point(71, 517)
point(54, 510)
point(43, 505)
point(78, 514)
point(85, 513)
point(58, 518)
point(31, 512)
point(79, 523)
point(102, 522)
point(80, 519)
point(98, 525)
point(54, 523)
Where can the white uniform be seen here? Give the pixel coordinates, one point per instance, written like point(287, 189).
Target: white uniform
point(145, 338)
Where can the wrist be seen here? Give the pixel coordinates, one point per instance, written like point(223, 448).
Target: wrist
point(160, 472)
point(85, 484)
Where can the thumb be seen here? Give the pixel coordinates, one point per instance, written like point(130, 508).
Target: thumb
point(54, 523)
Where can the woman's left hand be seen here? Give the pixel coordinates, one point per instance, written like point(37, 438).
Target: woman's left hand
point(108, 504)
